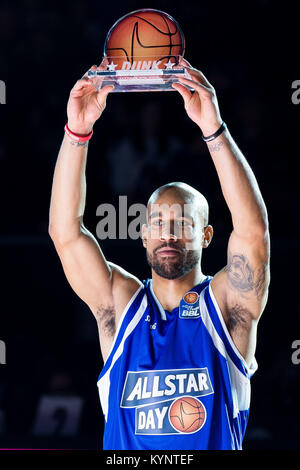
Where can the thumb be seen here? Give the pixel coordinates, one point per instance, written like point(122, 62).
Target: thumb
point(102, 94)
point(184, 91)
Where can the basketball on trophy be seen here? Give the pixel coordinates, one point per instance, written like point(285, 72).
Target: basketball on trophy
point(144, 38)
point(142, 52)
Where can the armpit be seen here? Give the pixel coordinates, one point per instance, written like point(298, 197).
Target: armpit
point(106, 319)
point(239, 317)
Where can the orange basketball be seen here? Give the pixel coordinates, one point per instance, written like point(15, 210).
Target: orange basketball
point(144, 35)
point(191, 297)
point(187, 414)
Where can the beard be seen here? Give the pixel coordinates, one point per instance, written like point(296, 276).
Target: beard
point(169, 268)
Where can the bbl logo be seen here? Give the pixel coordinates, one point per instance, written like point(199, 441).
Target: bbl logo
point(166, 401)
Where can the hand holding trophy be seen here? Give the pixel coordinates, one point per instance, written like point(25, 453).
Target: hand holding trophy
point(142, 52)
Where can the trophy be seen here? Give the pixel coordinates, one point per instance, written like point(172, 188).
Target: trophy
point(142, 51)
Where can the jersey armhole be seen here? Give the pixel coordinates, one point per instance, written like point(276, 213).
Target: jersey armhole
point(253, 366)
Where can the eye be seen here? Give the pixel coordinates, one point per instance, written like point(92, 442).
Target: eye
point(157, 222)
point(184, 223)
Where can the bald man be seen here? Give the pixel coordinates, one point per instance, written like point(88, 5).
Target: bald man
point(178, 348)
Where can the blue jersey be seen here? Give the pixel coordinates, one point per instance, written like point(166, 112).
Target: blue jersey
point(174, 380)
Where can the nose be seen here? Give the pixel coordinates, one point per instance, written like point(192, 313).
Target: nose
point(168, 235)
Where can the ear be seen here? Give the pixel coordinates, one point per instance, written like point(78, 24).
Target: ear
point(208, 234)
point(144, 235)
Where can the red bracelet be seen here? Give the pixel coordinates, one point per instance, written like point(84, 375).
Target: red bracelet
point(76, 137)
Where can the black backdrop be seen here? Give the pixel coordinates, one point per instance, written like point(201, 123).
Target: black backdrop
point(248, 52)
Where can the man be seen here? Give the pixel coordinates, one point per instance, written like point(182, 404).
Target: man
point(178, 349)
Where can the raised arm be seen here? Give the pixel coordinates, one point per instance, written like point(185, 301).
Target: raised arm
point(241, 288)
point(103, 286)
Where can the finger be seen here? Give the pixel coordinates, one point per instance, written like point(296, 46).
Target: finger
point(191, 72)
point(185, 92)
point(102, 67)
point(183, 61)
point(82, 83)
point(102, 94)
point(199, 75)
point(177, 66)
point(103, 64)
point(195, 72)
point(93, 67)
point(196, 85)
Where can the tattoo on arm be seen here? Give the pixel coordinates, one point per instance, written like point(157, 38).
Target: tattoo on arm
point(215, 147)
point(79, 144)
point(106, 317)
point(243, 278)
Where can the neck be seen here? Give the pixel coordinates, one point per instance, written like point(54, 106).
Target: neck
point(170, 292)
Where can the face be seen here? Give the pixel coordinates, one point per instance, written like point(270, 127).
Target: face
point(174, 235)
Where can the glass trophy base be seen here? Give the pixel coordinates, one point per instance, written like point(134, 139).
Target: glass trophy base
point(138, 80)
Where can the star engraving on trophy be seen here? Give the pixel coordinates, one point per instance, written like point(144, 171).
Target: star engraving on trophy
point(169, 65)
point(111, 67)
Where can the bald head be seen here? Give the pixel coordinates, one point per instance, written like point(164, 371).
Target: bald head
point(180, 192)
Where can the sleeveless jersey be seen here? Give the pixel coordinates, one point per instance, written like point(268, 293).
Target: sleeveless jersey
point(174, 380)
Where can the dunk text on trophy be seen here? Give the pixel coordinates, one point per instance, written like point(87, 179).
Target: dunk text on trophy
point(142, 52)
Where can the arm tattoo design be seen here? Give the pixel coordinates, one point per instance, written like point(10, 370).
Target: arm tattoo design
point(79, 144)
point(215, 147)
point(106, 316)
point(243, 278)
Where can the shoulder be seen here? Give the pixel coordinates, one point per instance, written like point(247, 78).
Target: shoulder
point(217, 285)
point(124, 286)
point(120, 274)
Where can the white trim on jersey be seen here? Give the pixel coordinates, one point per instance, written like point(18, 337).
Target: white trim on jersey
point(230, 428)
point(240, 384)
point(160, 307)
point(104, 383)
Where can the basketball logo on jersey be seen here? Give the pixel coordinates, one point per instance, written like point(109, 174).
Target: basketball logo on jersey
point(189, 306)
point(166, 401)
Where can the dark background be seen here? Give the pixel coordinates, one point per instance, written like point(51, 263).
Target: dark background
point(248, 52)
